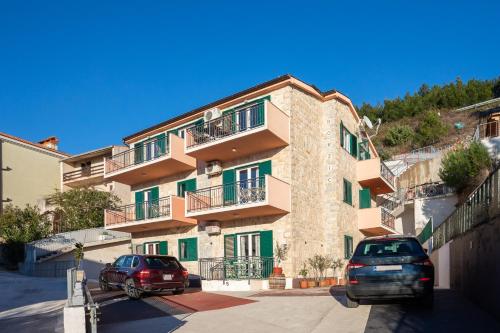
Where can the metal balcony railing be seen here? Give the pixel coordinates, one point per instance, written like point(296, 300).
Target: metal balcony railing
point(141, 153)
point(364, 151)
point(386, 173)
point(235, 268)
point(387, 218)
point(93, 170)
point(230, 123)
point(427, 191)
point(139, 211)
point(233, 194)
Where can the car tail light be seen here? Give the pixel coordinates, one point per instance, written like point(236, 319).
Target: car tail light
point(425, 262)
point(424, 279)
point(353, 281)
point(352, 265)
point(185, 273)
point(144, 274)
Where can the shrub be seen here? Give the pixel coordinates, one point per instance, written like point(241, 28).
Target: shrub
point(430, 129)
point(460, 168)
point(19, 226)
point(398, 135)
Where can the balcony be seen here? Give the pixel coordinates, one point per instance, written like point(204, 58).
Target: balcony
point(263, 196)
point(164, 213)
point(374, 174)
point(85, 176)
point(156, 158)
point(241, 132)
point(375, 221)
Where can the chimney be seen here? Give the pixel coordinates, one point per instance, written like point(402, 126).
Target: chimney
point(50, 142)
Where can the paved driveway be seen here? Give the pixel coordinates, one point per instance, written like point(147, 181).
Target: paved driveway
point(31, 304)
point(313, 310)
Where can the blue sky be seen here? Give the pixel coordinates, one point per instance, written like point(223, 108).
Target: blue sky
point(92, 72)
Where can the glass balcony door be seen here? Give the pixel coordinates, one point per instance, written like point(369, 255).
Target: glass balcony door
point(248, 180)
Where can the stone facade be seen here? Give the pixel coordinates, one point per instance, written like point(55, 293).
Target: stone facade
point(314, 164)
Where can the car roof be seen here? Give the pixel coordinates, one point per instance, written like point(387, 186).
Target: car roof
point(155, 256)
point(390, 237)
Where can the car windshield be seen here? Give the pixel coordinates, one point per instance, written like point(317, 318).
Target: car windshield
point(162, 263)
point(389, 247)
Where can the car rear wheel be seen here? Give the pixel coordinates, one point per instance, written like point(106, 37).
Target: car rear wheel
point(104, 285)
point(351, 303)
point(131, 291)
point(178, 291)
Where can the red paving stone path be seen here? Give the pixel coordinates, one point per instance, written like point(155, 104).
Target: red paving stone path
point(204, 301)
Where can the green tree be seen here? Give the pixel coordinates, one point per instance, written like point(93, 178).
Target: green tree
point(83, 208)
point(398, 135)
point(460, 168)
point(496, 89)
point(430, 129)
point(19, 226)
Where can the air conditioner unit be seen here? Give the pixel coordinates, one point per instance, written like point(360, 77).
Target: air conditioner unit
point(212, 229)
point(213, 168)
point(211, 114)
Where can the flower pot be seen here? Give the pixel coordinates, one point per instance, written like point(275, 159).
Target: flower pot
point(277, 282)
point(304, 284)
point(277, 271)
point(323, 283)
point(341, 282)
point(311, 283)
point(333, 281)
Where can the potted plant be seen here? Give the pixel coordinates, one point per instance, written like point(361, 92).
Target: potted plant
point(336, 264)
point(324, 262)
point(313, 262)
point(303, 277)
point(103, 235)
point(281, 252)
point(277, 280)
point(78, 254)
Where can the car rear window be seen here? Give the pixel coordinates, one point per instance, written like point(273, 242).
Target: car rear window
point(389, 247)
point(161, 263)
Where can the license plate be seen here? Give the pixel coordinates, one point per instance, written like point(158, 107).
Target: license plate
point(167, 277)
point(384, 268)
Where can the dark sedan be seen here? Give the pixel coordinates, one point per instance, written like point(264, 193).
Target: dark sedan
point(389, 267)
point(137, 274)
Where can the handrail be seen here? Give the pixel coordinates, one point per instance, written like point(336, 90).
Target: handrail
point(231, 194)
point(83, 172)
point(479, 207)
point(235, 268)
point(141, 153)
point(387, 218)
point(139, 211)
point(239, 120)
point(386, 173)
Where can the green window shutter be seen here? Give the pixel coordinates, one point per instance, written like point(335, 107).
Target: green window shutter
point(265, 168)
point(348, 246)
point(266, 250)
point(138, 153)
point(229, 186)
point(191, 249)
point(354, 145)
point(153, 205)
point(365, 198)
point(341, 134)
point(347, 192)
point(163, 246)
point(186, 185)
point(230, 248)
point(139, 205)
point(266, 243)
point(161, 145)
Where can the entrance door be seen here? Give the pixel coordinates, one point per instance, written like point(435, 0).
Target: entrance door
point(249, 250)
point(248, 184)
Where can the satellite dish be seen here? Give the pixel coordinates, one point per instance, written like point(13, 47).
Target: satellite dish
point(368, 122)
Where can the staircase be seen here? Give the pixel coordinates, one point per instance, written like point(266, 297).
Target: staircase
point(48, 248)
point(401, 163)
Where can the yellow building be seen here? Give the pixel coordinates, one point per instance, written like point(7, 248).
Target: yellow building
point(29, 171)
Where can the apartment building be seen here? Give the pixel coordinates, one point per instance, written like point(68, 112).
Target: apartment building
point(29, 171)
point(279, 163)
point(87, 170)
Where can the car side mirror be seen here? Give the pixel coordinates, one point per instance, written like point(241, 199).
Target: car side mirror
point(108, 265)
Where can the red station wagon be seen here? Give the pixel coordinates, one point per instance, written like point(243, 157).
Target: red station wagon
point(139, 274)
